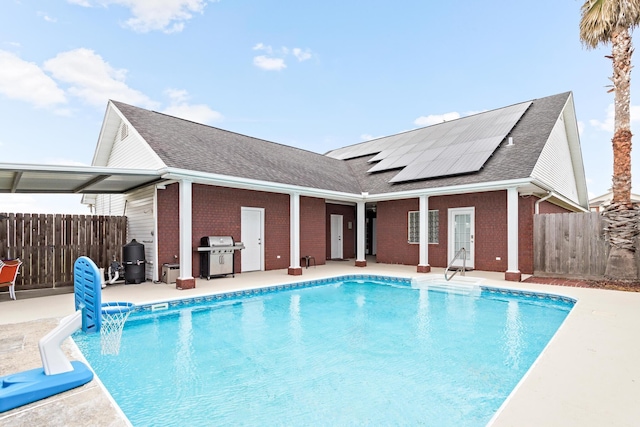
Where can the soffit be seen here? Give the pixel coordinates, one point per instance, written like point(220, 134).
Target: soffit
point(27, 178)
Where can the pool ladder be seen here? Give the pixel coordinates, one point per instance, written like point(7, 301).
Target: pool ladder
point(462, 251)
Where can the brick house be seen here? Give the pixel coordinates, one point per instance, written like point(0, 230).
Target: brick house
point(413, 198)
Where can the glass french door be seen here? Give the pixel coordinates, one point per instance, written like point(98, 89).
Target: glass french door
point(461, 235)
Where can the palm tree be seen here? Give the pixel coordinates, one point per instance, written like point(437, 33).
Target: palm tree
point(605, 21)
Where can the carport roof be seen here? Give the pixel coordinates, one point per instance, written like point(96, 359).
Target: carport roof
point(53, 179)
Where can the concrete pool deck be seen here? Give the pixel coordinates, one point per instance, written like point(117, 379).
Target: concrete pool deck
point(588, 375)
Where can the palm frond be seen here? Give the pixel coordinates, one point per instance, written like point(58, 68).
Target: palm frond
point(601, 17)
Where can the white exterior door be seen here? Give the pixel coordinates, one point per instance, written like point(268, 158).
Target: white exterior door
point(252, 235)
point(336, 237)
point(461, 235)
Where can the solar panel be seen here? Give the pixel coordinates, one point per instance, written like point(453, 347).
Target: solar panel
point(451, 148)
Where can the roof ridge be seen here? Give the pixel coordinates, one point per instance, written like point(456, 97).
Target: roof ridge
point(217, 128)
point(442, 123)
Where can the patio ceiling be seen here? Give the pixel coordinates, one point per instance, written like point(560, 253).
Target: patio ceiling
point(49, 179)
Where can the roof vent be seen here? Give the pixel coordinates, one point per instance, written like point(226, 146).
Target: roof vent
point(510, 141)
point(124, 132)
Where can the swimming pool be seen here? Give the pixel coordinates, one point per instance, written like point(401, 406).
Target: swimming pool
point(353, 351)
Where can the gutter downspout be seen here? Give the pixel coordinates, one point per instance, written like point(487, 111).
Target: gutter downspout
point(537, 205)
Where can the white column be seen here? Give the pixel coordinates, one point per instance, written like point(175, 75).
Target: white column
point(361, 232)
point(186, 251)
point(294, 233)
point(512, 230)
point(424, 231)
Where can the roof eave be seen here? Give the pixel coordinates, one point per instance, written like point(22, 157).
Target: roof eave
point(257, 185)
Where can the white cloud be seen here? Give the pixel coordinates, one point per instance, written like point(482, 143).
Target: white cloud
point(84, 3)
point(433, 119)
point(607, 124)
point(269, 64)
point(262, 46)
point(26, 81)
point(61, 161)
point(93, 80)
point(168, 16)
point(47, 17)
point(275, 58)
point(43, 203)
point(301, 55)
point(179, 107)
point(367, 137)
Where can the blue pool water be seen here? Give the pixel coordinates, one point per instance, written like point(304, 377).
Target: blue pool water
point(355, 352)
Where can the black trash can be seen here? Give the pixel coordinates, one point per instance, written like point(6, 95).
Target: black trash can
point(133, 260)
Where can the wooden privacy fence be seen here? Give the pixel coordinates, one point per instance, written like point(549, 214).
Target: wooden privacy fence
point(48, 245)
point(570, 245)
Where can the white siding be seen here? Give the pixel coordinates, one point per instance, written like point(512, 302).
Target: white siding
point(129, 150)
point(138, 208)
point(555, 165)
point(110, 204)
point(141, 224)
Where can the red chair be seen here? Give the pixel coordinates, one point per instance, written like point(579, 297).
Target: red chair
point(8, 274)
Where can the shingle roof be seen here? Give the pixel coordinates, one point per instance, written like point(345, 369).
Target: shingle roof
point(192, 146)
point(529, 135)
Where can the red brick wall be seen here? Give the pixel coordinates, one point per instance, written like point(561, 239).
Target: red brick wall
point(392, 232)
point(490, 230)
point(169, 228)
point(526, 208)
point(313, 229)
point(549, 208)
point(216, 211)
point(348, 235)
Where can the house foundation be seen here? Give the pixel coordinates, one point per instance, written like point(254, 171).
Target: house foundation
point(294, 271)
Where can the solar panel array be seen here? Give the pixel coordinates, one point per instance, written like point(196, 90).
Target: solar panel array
point(459, 146)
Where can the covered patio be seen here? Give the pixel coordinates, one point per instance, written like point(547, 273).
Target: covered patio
point(588, 375)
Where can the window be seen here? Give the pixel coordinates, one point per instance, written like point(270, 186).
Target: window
point(414, 226)
point(434, 226)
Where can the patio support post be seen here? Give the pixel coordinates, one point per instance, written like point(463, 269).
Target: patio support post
point(361, 260)
point(423, 264)
point(294, 235)
point(513, 273)
point(186, 280)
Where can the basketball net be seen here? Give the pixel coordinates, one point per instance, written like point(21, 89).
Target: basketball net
point(113, 319)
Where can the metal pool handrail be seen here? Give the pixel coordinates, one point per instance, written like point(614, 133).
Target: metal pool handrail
point(464, 264)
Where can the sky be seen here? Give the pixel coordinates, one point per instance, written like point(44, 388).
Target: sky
point(317, 75)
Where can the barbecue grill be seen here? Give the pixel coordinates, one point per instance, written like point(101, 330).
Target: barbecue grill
point(216, 256)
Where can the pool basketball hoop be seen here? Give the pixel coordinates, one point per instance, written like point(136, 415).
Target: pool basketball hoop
point(114, 315)
point(106, 318)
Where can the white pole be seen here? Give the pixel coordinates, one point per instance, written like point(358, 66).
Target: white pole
point(294, 233)
point(512, 231)
point(361, 234)
point(424, 232)
point(186, 253)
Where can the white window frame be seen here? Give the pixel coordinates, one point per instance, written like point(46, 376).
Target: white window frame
point(413, 222)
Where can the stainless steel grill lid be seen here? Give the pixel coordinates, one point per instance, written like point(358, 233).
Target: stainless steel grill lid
point(216, 241)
